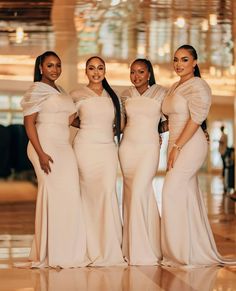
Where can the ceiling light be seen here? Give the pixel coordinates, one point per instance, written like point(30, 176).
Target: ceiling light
point(205, 25)
point(161, 52)
point(180, 22)
point(115, 2)
point(212, 71)
point(19, 34)
point(232, 70)
point(166, 48)
point(213, 19)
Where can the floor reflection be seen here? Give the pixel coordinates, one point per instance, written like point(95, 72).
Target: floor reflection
point(16, 233)
point(117, 279)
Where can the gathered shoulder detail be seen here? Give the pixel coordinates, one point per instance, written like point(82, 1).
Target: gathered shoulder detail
point(34, 97)
point(198, 96)
point(125, 95)
point(156, 92)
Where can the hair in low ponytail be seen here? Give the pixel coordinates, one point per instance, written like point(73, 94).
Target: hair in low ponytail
point(197, 73)
point(149, 66)
point(39, 61)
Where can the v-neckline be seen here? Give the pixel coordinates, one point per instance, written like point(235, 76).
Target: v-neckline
point(144, 93)
point(95, 92)
point(177, 85)
point(55, 89)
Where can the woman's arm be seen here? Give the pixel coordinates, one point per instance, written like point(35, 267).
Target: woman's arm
point(75, 122)
point(190, 128)
point(44, 159)
point(163, 126)
point(123, 118)
point(122, 122)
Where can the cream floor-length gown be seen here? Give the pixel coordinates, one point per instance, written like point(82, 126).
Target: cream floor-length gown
point(187, 239)
point(139, 158)
point(60, 238)
point(97, 162)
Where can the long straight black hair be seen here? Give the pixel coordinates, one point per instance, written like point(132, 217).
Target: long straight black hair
point(197, 73)
point(114, 98)
point(39, 61)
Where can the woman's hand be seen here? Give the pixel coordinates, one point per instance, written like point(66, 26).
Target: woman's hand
point(44, 160)
point(172, 158)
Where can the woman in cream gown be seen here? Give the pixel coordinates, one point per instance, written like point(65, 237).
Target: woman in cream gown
point(139, 158)
point(187, 239)
point(59, 226)
point(98, 107)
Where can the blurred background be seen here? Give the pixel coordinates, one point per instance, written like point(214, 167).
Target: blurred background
point(119, 31)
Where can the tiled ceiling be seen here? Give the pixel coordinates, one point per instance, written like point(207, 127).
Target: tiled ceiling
point(121, 30)
point(32, 17)
point(27, 11)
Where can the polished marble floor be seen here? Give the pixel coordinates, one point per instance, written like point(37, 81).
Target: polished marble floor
point(17, 206)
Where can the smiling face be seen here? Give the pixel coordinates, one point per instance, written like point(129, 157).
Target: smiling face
point(95, 70)
point(139, 76)
point(51, 69)
point(184, 64)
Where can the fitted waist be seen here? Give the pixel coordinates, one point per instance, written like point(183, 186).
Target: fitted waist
point(176, 125)
point(53, 133)
point(139, 134)
point(57, 118)
point(94, 135)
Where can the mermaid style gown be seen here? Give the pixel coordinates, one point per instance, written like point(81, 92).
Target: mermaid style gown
point(60, 239)
point(139, 158)
point(187, 239)
point(97, 162)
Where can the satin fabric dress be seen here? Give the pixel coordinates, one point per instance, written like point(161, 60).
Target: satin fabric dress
point(60, 239)
point(187, 239)
point(139, 158)
point(97, 159)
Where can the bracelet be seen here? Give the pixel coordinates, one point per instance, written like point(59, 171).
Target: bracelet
point(178, 147)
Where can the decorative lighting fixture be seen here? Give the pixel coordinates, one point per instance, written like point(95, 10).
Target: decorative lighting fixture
point(19, 34)
point(180, 22)
point(212, 70)
point(204, 25)
point(213, 19)
point(115, 2)
point(161, 52)
point(232, 70)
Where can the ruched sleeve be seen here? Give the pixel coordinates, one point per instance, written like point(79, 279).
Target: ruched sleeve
point(198, 97)
point(80, 94)
point(33, 99)
point(123, 97)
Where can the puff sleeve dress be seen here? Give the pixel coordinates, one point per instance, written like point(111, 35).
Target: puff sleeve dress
point(59, 239)
point(187, 238)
